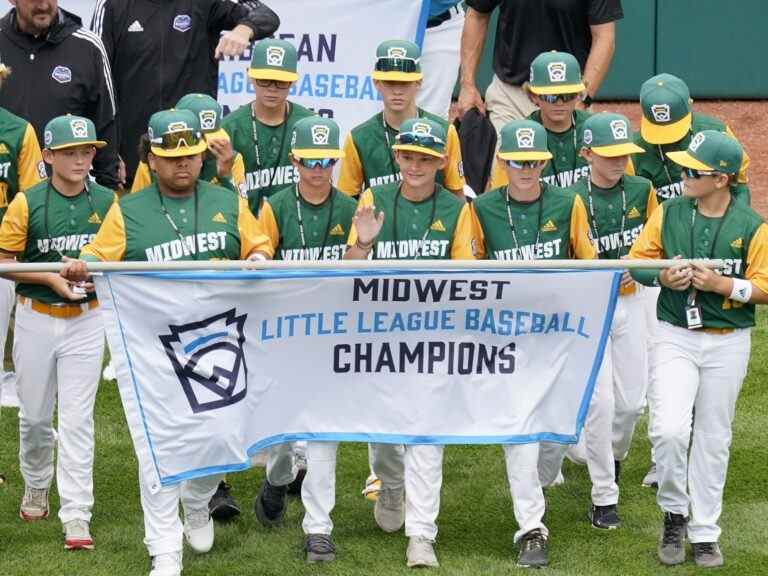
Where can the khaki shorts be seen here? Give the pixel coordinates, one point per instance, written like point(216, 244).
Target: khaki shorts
point(506, 103)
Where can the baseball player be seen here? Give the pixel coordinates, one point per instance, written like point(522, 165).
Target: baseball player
point(221, 165)
point(309, 220)
point(369, 159)
point(703, 338)
point(387, 222)
point(175, 218)
point(529, 219)
point(261, 131)
point(555, 87)
point(618, 206)
point(59, 337)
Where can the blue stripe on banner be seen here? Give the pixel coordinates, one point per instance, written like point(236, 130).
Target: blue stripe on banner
point(197, 342)
point(422, 26)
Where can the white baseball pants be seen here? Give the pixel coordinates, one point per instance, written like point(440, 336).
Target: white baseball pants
point(423, 482)
point(318, 491)
point(440, 59)
point(524, 486)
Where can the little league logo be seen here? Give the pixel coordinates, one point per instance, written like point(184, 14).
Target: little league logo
point(182, 22)
point(525, 137)
point(177, 127)
point(660, 112)
point(397, 52)
point(320, 135)
point(696, 142)
point(48, 138)
point(556, 71)
point(207, 357)
point(587, 137)
point(79, 128)
point(619, 130)
point(422, 128)
point(62, 74)
point(208, 120)
point(275, 55)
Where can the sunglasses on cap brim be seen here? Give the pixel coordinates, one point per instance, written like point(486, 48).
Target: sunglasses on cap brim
point(312, 163)
point(282, 84)
point(408, 65)
point(694, 173)
point(553, 98)
point(418, 139)
point(176, 140)
point(521, 164)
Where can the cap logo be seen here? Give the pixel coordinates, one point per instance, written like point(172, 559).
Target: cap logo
point(293, 140)
point(525, 137)
point(556, 71)
point(275, 55)
point(587, 138)
point(320, 134)
point(208, 119)
point(397, 52)
point(48, 138)
point(660, 112)
point(619, 129)
point(79, 128)
point(696, 142)
point(179, 126)
point(421, 128)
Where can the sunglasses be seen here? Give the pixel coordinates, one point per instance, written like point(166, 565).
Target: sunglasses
point(408, 65)
point(281, 84)
point(553, 98)
point(693, 173)
point(175, 140)
point(313, 163)
point(520, 165)
point(418, 139)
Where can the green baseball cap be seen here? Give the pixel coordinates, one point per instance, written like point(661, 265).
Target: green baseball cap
point(174, 133)
point(273, 59)
point(398, 60)
point(555, 73)
point(608, 134)
point(316, 137)
point(711, 150)
point(69, 131)
point(524, 140)
point(209, 113)
point(666, 104)
point(421, 135)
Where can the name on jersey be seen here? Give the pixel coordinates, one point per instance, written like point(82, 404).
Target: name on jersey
point(670, 190)
point(335, 252)
point(731, 267)
point(279, 176)
point(69, 243)
point(176, 249)
point(4, 168)
point(615, 241)
point(567, 177)
point(388, 179)
point(540, 251)
point(389, 249)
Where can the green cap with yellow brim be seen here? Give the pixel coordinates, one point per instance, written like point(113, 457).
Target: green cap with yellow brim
point(609, 135)
point(175, 133)
point(421, 135)
point(523, 140)
point(398, 60)
point(273, 59)
point(69, 131)
point(711, 151)
point(666, 104)
point(555, 73)
point(315, 137)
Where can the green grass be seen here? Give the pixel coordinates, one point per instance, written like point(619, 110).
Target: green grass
point(476, 522)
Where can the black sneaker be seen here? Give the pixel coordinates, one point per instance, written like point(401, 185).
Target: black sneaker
point(270, 504)
point(319, 548)
point(605, 517)
point(534, 550)
point(223, 506)
point(670, 550)
point(616, 470)
point(707, 554)
point(294, 488)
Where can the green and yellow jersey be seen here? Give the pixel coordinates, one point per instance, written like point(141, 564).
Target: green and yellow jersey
point(21, 163)
point(370, 160)
point(214, 223)
point(740, 238)
point(438, 228)
point(299, 230)
point(265, 150)
point(42, 225)
point(552, 227)
point(666, 175)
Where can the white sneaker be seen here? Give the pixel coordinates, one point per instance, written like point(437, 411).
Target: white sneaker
point(421, 553)
point(389, 511)
point(109, 372)
point(77, 535)
point(166, 564)
point(198, 529)
point(34, 505)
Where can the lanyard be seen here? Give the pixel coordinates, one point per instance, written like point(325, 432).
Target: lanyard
point(273, 170)
point(429, 224)
point(173, 224)
point(395, 169)
point(575, 155)
point(594, 220)
point(332, 196)
point(48, 189)
point(540, 201)
point(714, 236)
point(664, 165)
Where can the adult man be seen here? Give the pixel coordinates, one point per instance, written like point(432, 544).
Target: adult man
point(703, 339)
point(584, 28)
point(179, 42)
point(60, 68)
point(369, 158)
point(417, 218)
point(178, 217)
point(261, 130)
point(59, 337)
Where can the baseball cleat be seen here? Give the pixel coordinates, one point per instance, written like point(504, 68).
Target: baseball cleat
point(670, 549)
point(534, 550)
point(198, 530)
point(604, 517)
point(77, 535)
point(34, 505)
point(707, 554)
point(319, 548)
point(421, 553)
point(389, 511)
point(223, 506)
point(270, 504)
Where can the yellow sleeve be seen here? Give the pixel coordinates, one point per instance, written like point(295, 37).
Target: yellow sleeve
point(143, 177)
point(463, 236)
point(757, 259)
point(498, 176)
point(238, 172)
point(109, 244)
point(268, 224)
point(366, 199)
point(742, 179)
point(648, 245)
point(479, 235)
point(351, 170)
point(454, 170)
point(13, 231)
point(30, 161)
point(582, 244)
point(252, 237)
point(653, 203)
point(630, 169)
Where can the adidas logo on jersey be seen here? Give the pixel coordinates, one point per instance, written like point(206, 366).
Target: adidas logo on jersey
point(437, 226)
point(219, 218)
point(136, 27)
point(337, 230)
point(3, 148)
point(94, 219)
point(738, 244)
point(633, 213)
point(549, 226)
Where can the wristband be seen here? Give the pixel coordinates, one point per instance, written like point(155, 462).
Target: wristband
point(742, 290)
point(363, 247)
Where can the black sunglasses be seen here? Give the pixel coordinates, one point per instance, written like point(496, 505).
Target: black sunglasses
point(553, 98)
point(282, 84)
point(693, 173)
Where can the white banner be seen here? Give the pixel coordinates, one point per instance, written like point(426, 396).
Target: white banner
point(215, 367)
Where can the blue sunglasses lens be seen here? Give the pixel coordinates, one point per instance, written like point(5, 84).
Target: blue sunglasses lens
point(317, 162)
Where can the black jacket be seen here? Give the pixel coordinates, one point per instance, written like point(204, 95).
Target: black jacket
point(65, 71)
point(161, 50)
